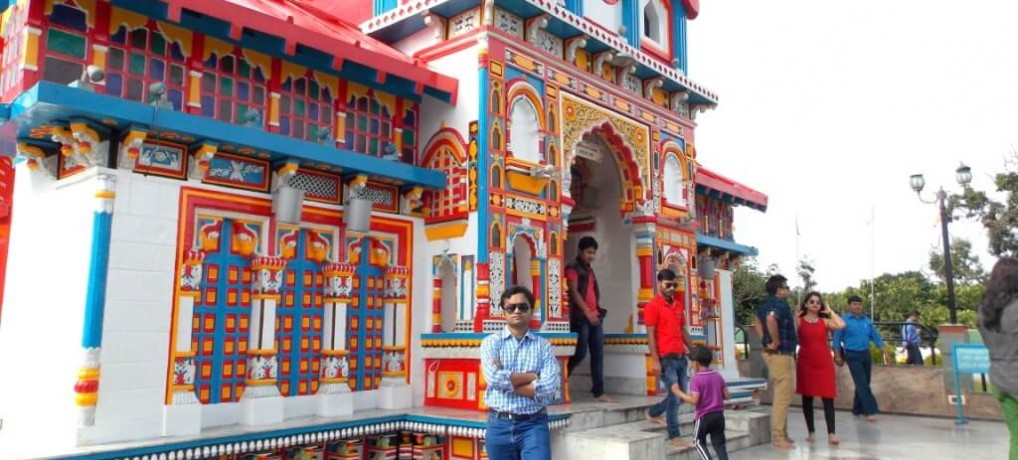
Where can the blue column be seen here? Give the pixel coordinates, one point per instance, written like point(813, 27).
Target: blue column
point(679, 37)
point(483, 154)
point(575, 6)
point(95, 300)
point(631, 18)
point(381, 6)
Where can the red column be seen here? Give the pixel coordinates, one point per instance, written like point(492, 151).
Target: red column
point(483, 299)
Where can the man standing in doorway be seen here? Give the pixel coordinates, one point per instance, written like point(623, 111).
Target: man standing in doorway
point(523, 376)
point(669, 343)
point(854, 341)
point(775, 325)
point(911, 340)
point(586, 315)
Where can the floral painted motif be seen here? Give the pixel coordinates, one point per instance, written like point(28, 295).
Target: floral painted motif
point(335, 367)
point(261, 367)
point(183, 371)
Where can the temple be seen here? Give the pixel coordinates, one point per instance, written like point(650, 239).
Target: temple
point(280, 228)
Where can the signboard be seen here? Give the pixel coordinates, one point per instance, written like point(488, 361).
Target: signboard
point(967, 358)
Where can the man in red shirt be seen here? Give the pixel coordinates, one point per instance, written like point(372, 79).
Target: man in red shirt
point(586, 314)
point(668, 339)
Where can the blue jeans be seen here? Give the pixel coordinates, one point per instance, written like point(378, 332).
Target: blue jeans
point(860, 364)
point(673, 370)
point(592, 337)
point(517, 440)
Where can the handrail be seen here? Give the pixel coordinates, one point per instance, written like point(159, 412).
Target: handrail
point(928, 336)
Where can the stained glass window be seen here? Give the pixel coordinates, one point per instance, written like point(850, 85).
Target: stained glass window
point(450, 202)
point(65, 56)
point(230, 88)
point(305, 109)
point(368, 126)
point(141, 57)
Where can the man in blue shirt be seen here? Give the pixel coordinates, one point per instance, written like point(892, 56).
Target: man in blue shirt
point(854, 343)
point(910, 339)
point(523, 376)
point(774, 324)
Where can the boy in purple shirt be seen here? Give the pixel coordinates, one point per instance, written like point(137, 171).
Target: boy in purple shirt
point(708, 392)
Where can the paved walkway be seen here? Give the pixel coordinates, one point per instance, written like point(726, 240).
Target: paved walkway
point(892, 437)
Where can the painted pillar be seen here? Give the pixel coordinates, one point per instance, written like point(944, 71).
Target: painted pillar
point(87, 385)
point(644, 233)
point(395, 390)
point(483, 301)
point(182, 413)
point(631, 19)
point(535, 276)
point(436, 304)
point(261, 402)
point(334, 396)
point(575, 6)
point(679, 19)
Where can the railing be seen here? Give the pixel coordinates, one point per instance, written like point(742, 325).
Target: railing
point(890, 331)
point(744, 343)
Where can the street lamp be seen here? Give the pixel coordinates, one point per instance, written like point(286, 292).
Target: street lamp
point(963, 175)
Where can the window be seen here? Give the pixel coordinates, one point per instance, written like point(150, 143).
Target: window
point(524, 131)
point(368, 125)
point(673, 187)
point(12, 40)
point(140, 58)
point(305, 110)
point(654, 21)
point(230, 86)
point(66, 48)
point(450, 202)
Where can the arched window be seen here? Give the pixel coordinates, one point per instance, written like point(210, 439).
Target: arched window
point(451, 202)
point(654, 21)
point(673, 181)
point(141, 57)
point(524, 131)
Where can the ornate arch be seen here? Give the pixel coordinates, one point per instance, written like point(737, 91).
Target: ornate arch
point(446, 152)
point(520, 88)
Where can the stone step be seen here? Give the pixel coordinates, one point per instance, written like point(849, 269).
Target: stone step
point(645, 440)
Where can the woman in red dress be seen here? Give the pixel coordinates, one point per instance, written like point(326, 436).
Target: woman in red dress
point(814, 370)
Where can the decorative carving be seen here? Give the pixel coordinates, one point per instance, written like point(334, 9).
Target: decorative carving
point(554, 288)
point(36, 159)
point(509, 22)
point(412, 199)
point(392, 362)
point(437, 21)
point(464, 22)
point(191, 271)
point(496, 283)
point(183, 370)
point(335, 367)
point(574, 44)
point(262, 367)
point(650, 84)
point(338, 280)
point(524, 205)
point(202, 158)
point(600, 59)
point(268, 274)
point(633, 83)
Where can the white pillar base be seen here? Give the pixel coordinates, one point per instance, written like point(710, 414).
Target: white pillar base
point(261, 405)
point(181, 420)
point(334, 404)
point(394, 394)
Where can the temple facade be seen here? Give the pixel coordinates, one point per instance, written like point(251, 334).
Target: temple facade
point(245, 227)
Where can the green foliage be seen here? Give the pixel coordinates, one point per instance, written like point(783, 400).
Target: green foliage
point(999, 218)
point(748, 289)
point(964, 264)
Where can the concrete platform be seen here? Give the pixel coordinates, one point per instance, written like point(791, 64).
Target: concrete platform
point(891, 437)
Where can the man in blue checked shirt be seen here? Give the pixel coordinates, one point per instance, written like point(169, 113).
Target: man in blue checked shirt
point(523, 376)
point(911, 340)
point(854, 342)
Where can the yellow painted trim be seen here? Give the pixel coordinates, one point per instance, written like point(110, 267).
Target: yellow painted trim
point(275, 297)
point(217, 47)
point(274, 108)
point(526, 183)
point(645, 294)
point(265, 352)
point(259, 60)
point(121, 17)
point(335, 353)
point(644, 251)
point(88, 373)
point(86, 399)
point(194, 89)
point(30, 52)
point(340, 126)
point(446, 230)
point(177, 34)
point(106, 194)
point(262, 382)
point(99, 56)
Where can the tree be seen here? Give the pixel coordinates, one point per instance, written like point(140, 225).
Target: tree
point(999, 218)
point(965, 265)
point(805, 270)
point(748, 289)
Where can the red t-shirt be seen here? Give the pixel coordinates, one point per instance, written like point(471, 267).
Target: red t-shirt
point(669, 321)
point(589, 297)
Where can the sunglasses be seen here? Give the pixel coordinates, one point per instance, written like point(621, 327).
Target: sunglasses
point(521, 307)
point(814, 302)
point(670, 285)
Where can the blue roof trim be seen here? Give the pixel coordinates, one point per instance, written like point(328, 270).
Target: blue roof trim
point(730, 246)
point(49, 101)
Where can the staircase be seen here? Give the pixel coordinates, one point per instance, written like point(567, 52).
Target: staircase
point(619, 431)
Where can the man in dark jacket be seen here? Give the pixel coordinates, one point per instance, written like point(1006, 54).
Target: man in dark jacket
point(586, 314)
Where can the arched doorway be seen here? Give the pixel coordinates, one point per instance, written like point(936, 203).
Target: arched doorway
point(596, 187)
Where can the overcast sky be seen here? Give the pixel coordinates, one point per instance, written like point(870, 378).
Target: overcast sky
point(829, 106)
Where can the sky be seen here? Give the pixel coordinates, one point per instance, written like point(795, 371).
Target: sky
point(829, 106)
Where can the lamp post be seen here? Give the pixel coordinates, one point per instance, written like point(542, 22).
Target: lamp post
point(963, 175)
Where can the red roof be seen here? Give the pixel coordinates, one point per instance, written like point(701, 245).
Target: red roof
point(316, 24)
point(714, 181)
